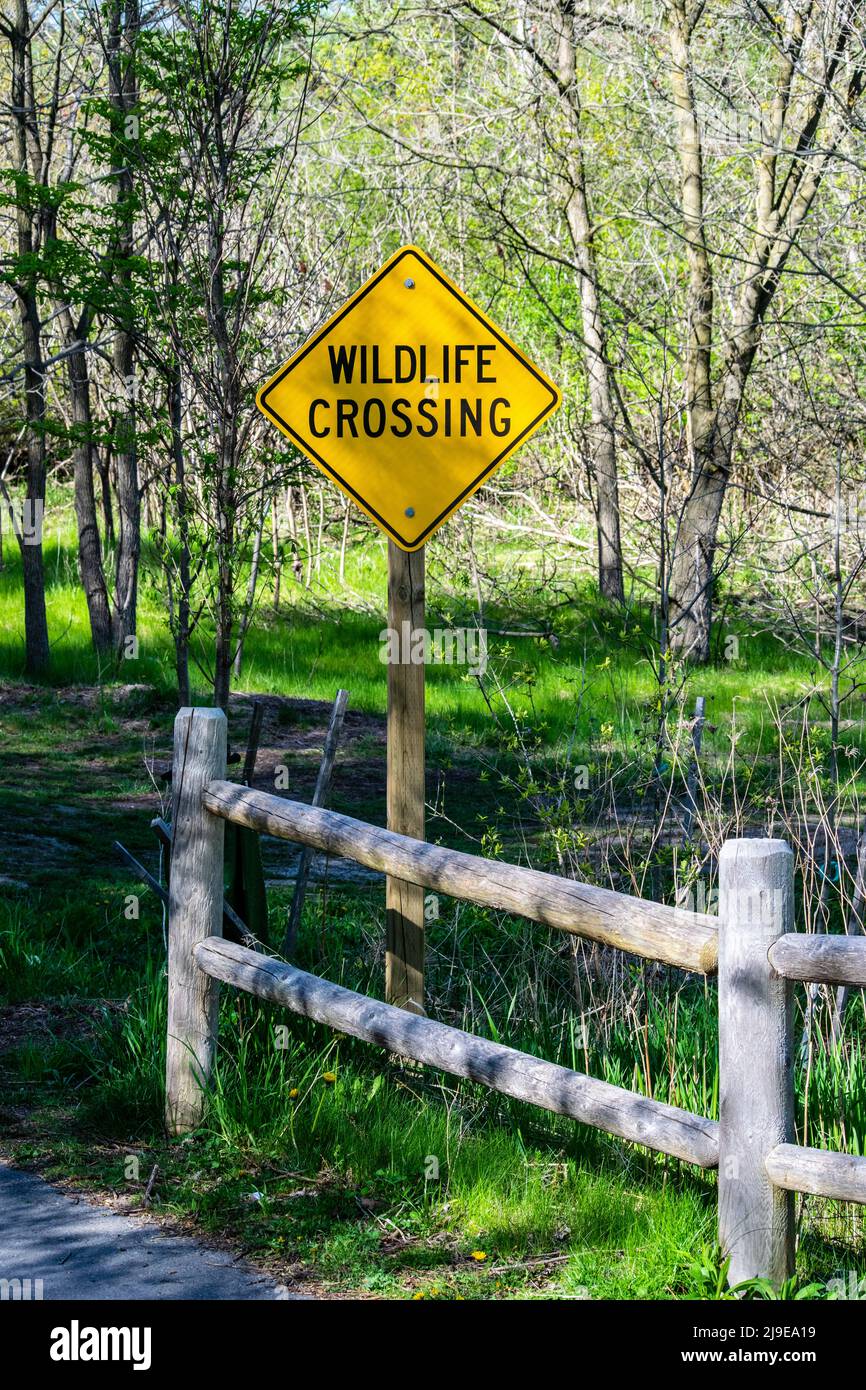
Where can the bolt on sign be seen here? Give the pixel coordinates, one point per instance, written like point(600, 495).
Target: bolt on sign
point(409, 398)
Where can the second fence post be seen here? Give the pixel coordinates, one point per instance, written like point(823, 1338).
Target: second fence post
point(756, 1090)
point(195, 911)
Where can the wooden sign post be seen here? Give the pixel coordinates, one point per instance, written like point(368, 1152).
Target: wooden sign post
point(408, 398)
point(404, 902)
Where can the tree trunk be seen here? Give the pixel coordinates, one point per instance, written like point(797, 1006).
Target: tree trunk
point(691, 581)
point(249, 603)
point(89, 547)
point(37, 650)
point(603, 461)
point(128, 507)
point(690, 584)
point(226, 489)
point(100, 461)
point(123, 31)
point(278, 555)
point(781, 209)
point(181, 502)
point(225, 624)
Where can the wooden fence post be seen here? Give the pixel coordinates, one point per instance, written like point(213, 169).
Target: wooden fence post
point(195, 911)
point(404, 902)
point(756, 1090)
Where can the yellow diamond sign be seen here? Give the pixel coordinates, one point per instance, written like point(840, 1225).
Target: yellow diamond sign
point(408, 398)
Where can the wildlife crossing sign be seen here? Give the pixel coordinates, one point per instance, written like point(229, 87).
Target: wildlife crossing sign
point(408, 398)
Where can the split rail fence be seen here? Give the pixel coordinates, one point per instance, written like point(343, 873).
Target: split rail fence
point(751, 945)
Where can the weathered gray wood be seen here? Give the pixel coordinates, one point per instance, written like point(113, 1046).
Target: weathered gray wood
point(853, 927)
point(253, 739)
point(686, 939)
point(824, 960)
point(756, 1091)
point(820, 1171)
point(518, 1074)
point(144, 874)
point(163, 834)
point(320, 792)
point(195, 912)
point(404, 900)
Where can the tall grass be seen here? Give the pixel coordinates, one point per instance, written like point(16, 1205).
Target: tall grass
point(324, 1148)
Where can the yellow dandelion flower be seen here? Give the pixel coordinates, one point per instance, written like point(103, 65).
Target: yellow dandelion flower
point(479, 1255)
point(329, 1076)
point(294, 1092)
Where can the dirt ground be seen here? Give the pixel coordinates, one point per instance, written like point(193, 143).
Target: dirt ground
point(100, 766)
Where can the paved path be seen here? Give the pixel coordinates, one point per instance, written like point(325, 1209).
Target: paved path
point(81, 1252)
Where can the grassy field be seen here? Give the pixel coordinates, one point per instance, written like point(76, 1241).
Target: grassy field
point(600, 670)
point(333, 1166)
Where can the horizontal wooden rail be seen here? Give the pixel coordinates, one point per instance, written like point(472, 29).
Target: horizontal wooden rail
point(517, 1074)
point(677, 937)
point(821, 960)
point(752, 944)
point(820, 1171)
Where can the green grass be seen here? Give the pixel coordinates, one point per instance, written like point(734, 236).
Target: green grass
point(406, 1178)
point(403, 1176)
point(600, 674)
point(380, 1177)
